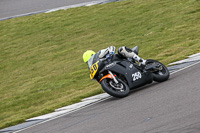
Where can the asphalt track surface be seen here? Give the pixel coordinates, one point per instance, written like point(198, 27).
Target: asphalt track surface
point(10, 8)
point(168, 107)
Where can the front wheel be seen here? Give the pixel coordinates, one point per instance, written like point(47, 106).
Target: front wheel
point(162, 74)
point(119, 90)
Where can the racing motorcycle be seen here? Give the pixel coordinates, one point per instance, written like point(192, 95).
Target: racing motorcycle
point(117, 75)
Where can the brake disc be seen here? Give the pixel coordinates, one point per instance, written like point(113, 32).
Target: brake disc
point(118, 86)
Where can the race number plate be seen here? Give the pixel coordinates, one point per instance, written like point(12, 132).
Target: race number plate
point(94, 69)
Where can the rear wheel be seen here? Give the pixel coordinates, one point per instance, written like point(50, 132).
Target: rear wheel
point(119, 90)
point(162, 74)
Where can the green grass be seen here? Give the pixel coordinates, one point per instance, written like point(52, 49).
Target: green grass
point(41, 55)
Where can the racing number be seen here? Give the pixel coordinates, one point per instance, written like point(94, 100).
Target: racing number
point(94, 69)
point(91, 70)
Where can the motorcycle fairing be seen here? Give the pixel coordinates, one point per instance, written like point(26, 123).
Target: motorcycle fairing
point(128, 69)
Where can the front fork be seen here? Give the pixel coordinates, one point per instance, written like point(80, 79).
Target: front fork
point(114, 78)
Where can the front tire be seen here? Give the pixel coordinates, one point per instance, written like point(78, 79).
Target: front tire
point(161, 75)
point(119, 90)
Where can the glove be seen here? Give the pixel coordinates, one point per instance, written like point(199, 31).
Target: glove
point(108, 56)
point(112, 53)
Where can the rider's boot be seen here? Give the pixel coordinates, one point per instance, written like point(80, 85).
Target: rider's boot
point(128, 53)
point(142, 62)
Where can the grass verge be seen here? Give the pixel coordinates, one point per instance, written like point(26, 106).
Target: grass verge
point(41, 55)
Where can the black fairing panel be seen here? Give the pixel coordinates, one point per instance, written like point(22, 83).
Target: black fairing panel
point(127, 69)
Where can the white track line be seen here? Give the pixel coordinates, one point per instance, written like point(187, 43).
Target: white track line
point(185, 67)
point(61, 115)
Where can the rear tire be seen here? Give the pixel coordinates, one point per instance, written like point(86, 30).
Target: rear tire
point(161, 75)
point(119, 90)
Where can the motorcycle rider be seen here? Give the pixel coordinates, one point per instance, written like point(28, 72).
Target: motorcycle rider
point(123, 51)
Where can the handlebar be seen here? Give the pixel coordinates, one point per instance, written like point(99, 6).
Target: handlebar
point(108, 57)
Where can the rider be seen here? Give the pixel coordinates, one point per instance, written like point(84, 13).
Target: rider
point(123, 51)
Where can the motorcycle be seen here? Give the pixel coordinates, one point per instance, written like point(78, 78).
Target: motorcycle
point(118, 75)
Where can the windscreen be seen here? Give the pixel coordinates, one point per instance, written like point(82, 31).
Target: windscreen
point(90, 61)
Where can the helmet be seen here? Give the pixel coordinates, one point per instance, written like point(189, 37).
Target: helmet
point(87, 55)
